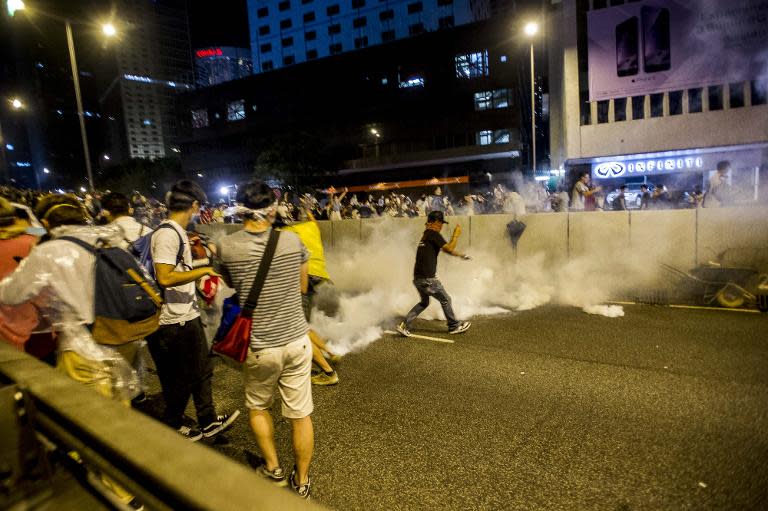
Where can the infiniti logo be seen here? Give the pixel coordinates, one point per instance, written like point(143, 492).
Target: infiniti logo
point(610, 169)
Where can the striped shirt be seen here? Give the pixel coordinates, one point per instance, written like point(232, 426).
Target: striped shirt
point(278, 319)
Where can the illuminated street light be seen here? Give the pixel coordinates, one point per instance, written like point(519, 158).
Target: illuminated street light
point(199, 174)
point(108, 29)
point(531, 28)
point(46, 171)
point(374, 131)
point(106, 157)
point(224, 190)
point(82, 189)
point(14, 5)
point(17, 104)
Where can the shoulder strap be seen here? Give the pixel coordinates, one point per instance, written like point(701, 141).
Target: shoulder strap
point(79, 242)
point(261, 275)
point(180, 254)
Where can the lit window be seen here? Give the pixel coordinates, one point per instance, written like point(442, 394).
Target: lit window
point(488, 137)
point(472, 65)
point(486, 100)
point(412, 81)
point(501, 136)
point(200, 118)
point(483, 100)
point(484, 137)
point(236, 110)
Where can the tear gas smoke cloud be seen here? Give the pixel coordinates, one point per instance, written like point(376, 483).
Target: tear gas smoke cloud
point(373, 281)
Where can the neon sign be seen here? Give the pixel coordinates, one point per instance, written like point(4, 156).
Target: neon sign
point(209, 52)
point(611, 169)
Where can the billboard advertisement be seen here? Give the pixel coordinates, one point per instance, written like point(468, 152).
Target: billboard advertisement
point(661, 45)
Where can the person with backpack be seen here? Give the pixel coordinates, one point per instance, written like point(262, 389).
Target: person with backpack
point(179, 347)
point(116, 210)
point(60, 274)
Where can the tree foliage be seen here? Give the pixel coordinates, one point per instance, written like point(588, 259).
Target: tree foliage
point(298, 160)
point(149, 177)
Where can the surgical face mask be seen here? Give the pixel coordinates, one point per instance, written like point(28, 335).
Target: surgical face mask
point(36, 231)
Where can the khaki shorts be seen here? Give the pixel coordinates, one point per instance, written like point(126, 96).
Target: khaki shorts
point(285, 367)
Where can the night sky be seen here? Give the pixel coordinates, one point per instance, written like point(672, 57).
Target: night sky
point(218, 23)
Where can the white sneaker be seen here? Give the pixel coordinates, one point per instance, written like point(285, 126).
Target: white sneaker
point(461, 327)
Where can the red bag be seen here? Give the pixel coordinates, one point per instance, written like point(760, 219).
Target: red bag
point(236, 343)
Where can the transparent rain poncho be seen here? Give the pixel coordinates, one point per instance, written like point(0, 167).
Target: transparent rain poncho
point(59, 277)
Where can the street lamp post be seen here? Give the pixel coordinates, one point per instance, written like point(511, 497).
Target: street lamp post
point(79, 100)
point(531, 29)
point(109, 30)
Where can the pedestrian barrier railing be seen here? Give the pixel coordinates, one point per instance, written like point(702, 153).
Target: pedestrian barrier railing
point(44, 415)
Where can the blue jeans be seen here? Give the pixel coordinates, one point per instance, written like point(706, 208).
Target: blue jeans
point(427, 288)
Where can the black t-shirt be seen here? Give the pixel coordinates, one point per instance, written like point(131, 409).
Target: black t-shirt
point(426, 255)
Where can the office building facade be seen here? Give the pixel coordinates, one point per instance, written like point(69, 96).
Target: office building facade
point(287, 32)
point(443, 104)
point(219, 64)
point(154, 63)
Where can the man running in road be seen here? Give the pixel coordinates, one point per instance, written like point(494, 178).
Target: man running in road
point(425, 270)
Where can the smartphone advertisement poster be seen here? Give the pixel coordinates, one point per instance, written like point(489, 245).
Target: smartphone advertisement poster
point(662, 45)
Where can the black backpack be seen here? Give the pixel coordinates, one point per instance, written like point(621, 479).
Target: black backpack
point(127, 303)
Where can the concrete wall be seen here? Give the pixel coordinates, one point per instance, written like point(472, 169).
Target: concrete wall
point(677, 237)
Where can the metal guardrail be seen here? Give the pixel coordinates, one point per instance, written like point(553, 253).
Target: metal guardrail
point(163, 470)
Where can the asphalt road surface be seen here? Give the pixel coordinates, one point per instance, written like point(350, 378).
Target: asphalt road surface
point(550, 409)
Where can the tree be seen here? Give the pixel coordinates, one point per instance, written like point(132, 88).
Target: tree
point(149, 177)
point(298, 160)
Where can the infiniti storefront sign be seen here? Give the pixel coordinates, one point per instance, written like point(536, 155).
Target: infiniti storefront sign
point(611, 169)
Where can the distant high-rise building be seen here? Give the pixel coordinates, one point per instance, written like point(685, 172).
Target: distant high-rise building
point(220, 64)
point(154, 63)
point(286, 32)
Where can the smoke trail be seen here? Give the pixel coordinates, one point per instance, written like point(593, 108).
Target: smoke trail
point(373, 282)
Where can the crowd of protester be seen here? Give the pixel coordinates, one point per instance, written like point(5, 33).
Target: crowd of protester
point(49, 308)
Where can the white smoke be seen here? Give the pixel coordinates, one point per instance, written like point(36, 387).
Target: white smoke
point(373, 280)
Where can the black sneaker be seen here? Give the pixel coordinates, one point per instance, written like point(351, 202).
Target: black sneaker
point(222, 423)
point(191, 434)
point(461, 327)
point(403, 329)
point(302, 491)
